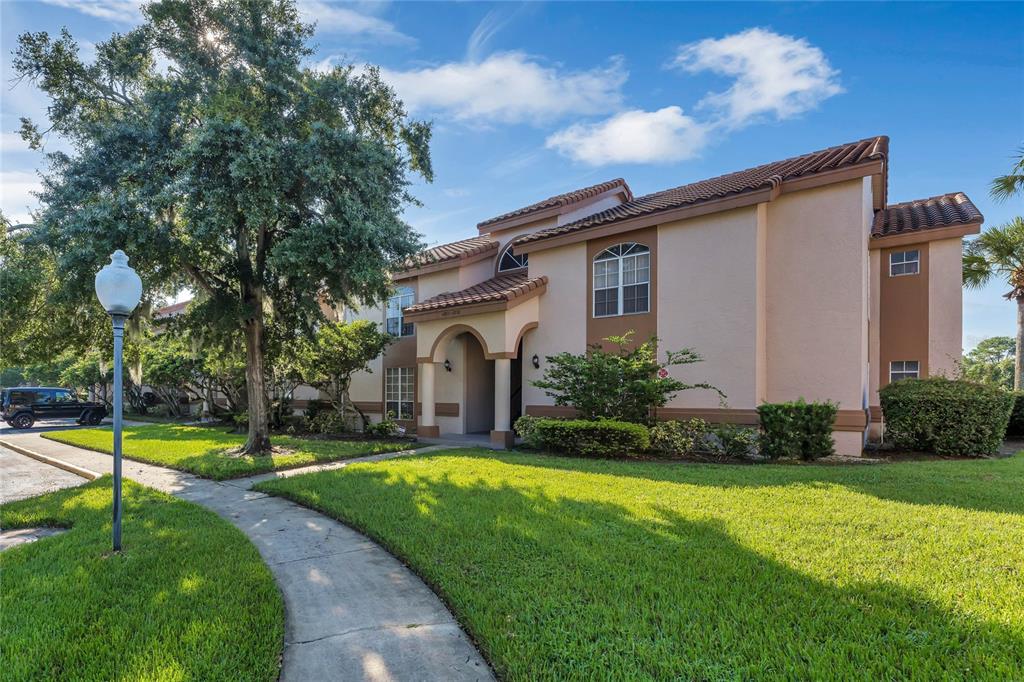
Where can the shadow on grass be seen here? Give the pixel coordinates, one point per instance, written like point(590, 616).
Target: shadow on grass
point(188, 598)
point(555, 587)
point(981, 485)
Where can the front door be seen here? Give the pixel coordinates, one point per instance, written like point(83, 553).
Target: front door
point(516, 386)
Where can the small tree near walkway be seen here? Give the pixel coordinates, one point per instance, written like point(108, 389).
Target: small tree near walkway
point(337, 351)
point(625, 384)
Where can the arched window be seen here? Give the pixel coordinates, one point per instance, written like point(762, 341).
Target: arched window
point(510, 261)
point(622, 280)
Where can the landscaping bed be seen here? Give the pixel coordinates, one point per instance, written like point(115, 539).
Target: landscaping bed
point(206, 451)
point(571, 568)
point(188, 598)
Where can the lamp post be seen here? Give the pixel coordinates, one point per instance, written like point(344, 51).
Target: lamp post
point(119, 289)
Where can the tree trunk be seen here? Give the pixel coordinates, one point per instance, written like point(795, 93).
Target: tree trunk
point(258, 442)
point(1018, 364)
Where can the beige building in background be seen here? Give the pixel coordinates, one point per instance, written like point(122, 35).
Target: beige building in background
point(792, 279)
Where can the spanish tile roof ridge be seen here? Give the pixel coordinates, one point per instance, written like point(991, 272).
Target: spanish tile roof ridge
point(752, 179)
point(503, 287)
point(563, 199)
point(441, 253)
point(171, 310)
point(943, 210)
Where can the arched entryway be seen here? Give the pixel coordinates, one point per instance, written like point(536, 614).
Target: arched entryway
point(478, 387)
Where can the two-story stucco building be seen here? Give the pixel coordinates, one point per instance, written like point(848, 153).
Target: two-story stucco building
point(793, 278)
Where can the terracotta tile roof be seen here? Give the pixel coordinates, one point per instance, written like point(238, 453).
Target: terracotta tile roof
point(565, 199)
point(500, 288)
point(172, 310)
point(453, 251)
point(731, 184)
point(946, 210)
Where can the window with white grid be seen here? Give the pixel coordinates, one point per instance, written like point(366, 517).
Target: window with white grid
point(399, 393)
point(622, 280)
point(904, 263)
point(402, 299)
point(903, 369)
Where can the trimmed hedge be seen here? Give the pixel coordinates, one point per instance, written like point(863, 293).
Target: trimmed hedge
point(946, 416)
point(583, 438)
point(797, 429)
point(1015, 429)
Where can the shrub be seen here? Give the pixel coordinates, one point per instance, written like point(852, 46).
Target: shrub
point(384, 428)
point(624, 384)
point(600, 438)
point(946, 416)
point(526, 428)
point(797, 429)
point(1015, 429)
point(675, 437)
point(731, 440)
point(327, 421)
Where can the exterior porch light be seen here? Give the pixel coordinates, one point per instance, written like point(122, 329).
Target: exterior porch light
point(118, 289)
point(447, 365)
point(536, 362)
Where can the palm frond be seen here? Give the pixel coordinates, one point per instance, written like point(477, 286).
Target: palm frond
point(1011, 184)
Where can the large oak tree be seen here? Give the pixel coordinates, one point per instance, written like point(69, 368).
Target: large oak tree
point(205, 148)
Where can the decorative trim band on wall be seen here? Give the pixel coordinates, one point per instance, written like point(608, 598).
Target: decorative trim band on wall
point(846, 420)
point(440, 409)
point(875, 414)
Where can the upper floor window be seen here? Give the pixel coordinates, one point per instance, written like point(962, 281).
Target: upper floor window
point(622, 280)
point(904, 263)
point(510, 261)
point(395, 325)
point(904, 369)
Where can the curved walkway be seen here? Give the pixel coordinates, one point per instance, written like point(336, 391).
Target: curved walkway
point(352, 611)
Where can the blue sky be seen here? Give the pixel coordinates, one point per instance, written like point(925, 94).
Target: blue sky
point(530, 100)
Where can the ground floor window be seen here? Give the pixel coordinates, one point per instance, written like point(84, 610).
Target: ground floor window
point(903, 369)
point(399, 396)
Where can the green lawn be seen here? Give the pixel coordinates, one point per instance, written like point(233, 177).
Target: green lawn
point(188, 598)
point(566, 568)
point(202, 450)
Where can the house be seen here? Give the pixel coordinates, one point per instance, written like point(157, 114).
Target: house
point(792, 279)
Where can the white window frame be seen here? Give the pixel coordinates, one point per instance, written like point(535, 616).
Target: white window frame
point(522, 260)
point(907, 258)
point(904, 369)
point(620, 254)
point(402, 299)
point(399, 392)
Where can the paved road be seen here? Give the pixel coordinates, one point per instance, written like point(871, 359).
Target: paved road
point(44, 425)
point(22, 477)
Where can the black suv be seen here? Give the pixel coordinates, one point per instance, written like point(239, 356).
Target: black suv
point(22, 406)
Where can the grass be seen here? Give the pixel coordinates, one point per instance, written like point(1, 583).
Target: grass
point(188, 598)
point(580, 569)
point(203, 450)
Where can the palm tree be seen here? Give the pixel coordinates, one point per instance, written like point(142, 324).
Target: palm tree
point(1011, 184)
point(999, 252)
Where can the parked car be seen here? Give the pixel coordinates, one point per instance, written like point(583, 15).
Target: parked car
point(22, 406)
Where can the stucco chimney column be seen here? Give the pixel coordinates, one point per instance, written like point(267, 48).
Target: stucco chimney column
point(502, 436)
point(427, 426)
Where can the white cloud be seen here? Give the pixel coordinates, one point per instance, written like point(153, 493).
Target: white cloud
point(510, 87)
point(489, 26)
point(121, 11)
point(333, 17)
point(12, 142)
point(635, 136)
point(16, 199)
point(775, 75)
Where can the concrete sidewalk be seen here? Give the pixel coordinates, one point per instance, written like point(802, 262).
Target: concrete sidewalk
point(352, 611)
